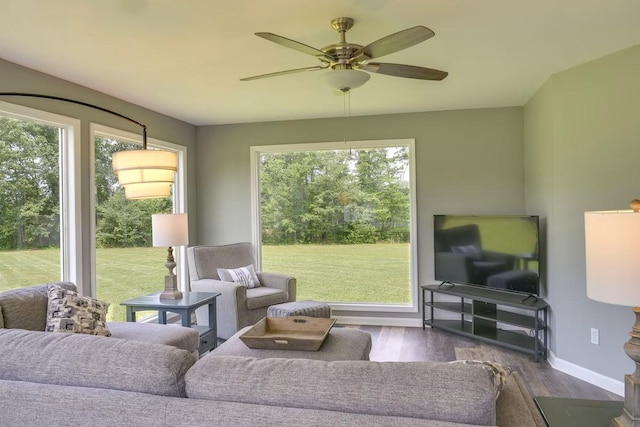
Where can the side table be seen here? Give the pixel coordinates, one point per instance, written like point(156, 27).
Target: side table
point(565, 412)
point(185, 307)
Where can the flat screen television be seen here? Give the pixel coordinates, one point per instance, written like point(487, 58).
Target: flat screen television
point(492, 251)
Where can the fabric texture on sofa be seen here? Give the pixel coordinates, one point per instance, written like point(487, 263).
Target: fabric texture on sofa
point(436, 391)
point(30, 404)
point(93, 361)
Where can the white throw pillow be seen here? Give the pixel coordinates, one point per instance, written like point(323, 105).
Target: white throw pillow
point(243, 275)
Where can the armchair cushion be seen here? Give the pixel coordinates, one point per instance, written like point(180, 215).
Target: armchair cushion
point(264, 297)
point(244, 275)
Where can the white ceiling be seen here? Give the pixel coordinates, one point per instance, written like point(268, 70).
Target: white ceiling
point(185, 58)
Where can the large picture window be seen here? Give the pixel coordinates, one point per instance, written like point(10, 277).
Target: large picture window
point(340, 219)
point(38, 203)
point(126, 263)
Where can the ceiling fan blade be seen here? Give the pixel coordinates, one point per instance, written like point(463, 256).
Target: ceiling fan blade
point(281, 73)
point(401, 70)
point(300, 47)
point(394, 42)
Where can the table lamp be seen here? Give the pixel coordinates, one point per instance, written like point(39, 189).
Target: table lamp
point(170, 230)
point(613, 276)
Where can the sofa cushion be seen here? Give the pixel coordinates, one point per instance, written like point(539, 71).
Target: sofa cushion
point(436, 391)
point(70, 312)
point(93, 361)
point(26, 308)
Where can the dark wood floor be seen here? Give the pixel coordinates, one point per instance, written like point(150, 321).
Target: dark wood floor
point(415, 344)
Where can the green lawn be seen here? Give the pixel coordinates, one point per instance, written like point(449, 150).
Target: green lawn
point(335, 273)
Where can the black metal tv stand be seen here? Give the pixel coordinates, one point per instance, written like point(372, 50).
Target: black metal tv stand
point(502, 318)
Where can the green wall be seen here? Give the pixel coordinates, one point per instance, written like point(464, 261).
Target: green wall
point(468, 161)
point(582, 144)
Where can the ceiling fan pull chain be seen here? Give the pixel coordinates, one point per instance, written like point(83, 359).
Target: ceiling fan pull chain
point(344, 117)
point(349, 115)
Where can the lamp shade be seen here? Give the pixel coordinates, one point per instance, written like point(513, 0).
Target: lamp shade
point(170, 229)
point(612, 240)
point(123, 161)
point(345, 79)
point(147, 190)
point(135, 167)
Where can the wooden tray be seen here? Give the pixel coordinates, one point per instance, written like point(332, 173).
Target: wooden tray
point(288, 333)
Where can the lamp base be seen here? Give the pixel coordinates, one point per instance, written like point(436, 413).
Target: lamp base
point(171, 288)
point(631, 414)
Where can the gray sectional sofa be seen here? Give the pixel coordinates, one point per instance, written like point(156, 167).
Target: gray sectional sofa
point(57, 379)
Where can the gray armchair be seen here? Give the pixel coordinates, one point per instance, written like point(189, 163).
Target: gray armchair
point(237, 306)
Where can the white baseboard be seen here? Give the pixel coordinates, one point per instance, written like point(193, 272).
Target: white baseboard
point(609, 384)
point(379, 321)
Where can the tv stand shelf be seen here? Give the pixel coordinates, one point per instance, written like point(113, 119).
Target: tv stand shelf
point(485, 314)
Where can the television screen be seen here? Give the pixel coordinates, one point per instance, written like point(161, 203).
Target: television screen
point(493, 251)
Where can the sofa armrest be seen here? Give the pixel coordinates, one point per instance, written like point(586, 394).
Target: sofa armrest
point(279, 281)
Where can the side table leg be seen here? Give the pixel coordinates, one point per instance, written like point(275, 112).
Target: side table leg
point(131, 315)
point(185, 317)
point(162, 317)
point(213, 322)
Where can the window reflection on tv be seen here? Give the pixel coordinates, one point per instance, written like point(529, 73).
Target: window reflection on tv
point(493, 251)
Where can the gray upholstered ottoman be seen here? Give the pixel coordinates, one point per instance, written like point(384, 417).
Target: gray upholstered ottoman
point(300, 308)
point(341, 344)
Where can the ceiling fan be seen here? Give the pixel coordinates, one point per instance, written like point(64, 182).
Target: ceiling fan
point(347, 59)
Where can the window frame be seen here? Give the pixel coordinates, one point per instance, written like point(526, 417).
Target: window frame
point(70, 179)
point(256, 232)
point(179, 193)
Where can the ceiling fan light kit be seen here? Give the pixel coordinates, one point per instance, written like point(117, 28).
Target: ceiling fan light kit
point(348, 64)
point(344, 80)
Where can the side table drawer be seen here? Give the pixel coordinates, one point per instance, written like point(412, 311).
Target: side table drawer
point(207, 342)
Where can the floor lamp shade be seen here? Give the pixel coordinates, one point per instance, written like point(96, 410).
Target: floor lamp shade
point(612, 243)
point(147, 190)
point(145, 173)
point(170, 229)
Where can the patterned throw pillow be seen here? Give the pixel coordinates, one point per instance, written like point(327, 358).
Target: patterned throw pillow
point(243, 275)
point(498, 372)
point(70, 312)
